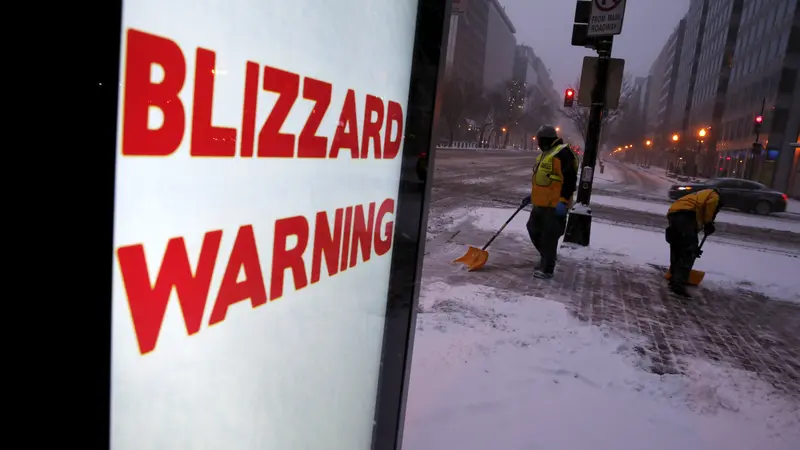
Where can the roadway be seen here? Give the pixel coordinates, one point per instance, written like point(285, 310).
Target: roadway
point(469, 178)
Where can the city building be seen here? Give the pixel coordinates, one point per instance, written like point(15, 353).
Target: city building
point(467, 42)
point(530, 69)
point(765, 71)
point(694, 31)
point(708, 98)
point(656, 78)
point(671, 55)
point(501, 45)
point(525, 72)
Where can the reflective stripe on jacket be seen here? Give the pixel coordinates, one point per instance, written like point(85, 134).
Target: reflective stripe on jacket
point(548, 178)
point(705, 205)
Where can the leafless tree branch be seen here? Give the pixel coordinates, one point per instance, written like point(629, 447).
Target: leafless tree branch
point(578, 116)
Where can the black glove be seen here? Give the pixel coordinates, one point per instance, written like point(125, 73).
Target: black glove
point(525, 201)
point(709, 229)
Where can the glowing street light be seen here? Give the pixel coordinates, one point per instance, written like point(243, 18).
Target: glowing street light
point(504, 129)
point(648, 142)
point(702, 132)
point(675, 137)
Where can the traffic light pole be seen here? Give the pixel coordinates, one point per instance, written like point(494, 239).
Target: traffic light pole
point(749, 169)
point(579, 224)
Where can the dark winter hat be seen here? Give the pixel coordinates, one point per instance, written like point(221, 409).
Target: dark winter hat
point(547, 132)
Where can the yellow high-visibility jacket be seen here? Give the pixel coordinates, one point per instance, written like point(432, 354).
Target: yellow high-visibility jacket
point(705, 205)
point(554, 176)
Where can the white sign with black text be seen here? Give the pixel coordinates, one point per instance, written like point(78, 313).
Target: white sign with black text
point(606, 18)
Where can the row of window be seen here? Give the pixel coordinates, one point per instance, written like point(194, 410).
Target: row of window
point(761, 56)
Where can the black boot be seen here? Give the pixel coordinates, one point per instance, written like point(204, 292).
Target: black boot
point(543, 275)
point(680, 290)
point(545, 271)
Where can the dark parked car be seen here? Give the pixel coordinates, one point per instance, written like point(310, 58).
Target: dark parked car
point(744, 195)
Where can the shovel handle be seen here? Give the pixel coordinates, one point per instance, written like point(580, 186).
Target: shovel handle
point(503, 227)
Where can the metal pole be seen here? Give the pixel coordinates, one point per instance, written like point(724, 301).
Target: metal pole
point(579, 224)
point(751, 159)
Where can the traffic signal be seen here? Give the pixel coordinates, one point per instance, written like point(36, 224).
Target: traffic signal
point(569, 98)
point(757, 124)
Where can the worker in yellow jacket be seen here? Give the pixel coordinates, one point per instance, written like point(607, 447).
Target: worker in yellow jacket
point(552, 185)
point(687, 217)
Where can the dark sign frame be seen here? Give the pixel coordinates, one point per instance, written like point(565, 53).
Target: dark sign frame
point(100, 38)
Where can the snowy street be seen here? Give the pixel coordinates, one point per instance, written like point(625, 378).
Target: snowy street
point(600, 356)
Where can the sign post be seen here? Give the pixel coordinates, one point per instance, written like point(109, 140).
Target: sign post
point(604, 22)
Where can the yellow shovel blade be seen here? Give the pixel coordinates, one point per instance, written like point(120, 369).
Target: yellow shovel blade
point(695, 276)
point(474, 259)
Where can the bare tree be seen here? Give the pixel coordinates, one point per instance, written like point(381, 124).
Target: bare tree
point(459, 99)
point(579, 115)
point(507, 104)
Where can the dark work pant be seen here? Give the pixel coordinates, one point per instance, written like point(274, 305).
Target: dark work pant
point(544, 229)
point(682, 236)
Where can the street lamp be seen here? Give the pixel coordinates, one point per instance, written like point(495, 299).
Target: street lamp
point(675, 139)
point(558, 129)
point(702, 132)
point(648, 142)
point(504, 129)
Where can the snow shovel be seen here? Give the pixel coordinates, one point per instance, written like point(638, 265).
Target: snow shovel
point(695, 276)
point(475, 258)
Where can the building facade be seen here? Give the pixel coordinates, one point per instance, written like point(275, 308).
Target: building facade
point(525, 72)
point(765, 71)
point(467, 42)
point(687, 72)
point(666, 99)
point(738, 59)
point(711, 84)
point(501, 45)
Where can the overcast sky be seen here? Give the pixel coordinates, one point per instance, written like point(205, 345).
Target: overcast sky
point(546, 25)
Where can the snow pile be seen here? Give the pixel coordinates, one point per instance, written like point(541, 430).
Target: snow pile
point(493, 369)
point(774, 274)
point(793, 206)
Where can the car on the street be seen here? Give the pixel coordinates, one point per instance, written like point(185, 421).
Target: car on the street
point(744, 195)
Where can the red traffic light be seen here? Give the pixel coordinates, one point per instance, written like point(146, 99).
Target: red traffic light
point(759, 119)
point(570, 93)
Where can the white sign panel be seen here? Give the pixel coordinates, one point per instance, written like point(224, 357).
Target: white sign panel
point(258, 162)
point(606, 18)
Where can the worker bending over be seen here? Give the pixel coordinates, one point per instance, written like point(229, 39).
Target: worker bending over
point(687, 216)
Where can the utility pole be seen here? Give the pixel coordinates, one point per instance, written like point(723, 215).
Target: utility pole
point(756, 149)
point(595, 25)
point(579, 224)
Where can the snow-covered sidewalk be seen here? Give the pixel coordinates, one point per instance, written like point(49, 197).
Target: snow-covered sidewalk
point(768, 272)
point(495, 369)
point(600, 357)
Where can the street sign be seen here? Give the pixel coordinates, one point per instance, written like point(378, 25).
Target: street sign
point(616, 69)
point(606, 18)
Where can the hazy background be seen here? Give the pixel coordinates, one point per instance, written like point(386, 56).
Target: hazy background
point(546, 25)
